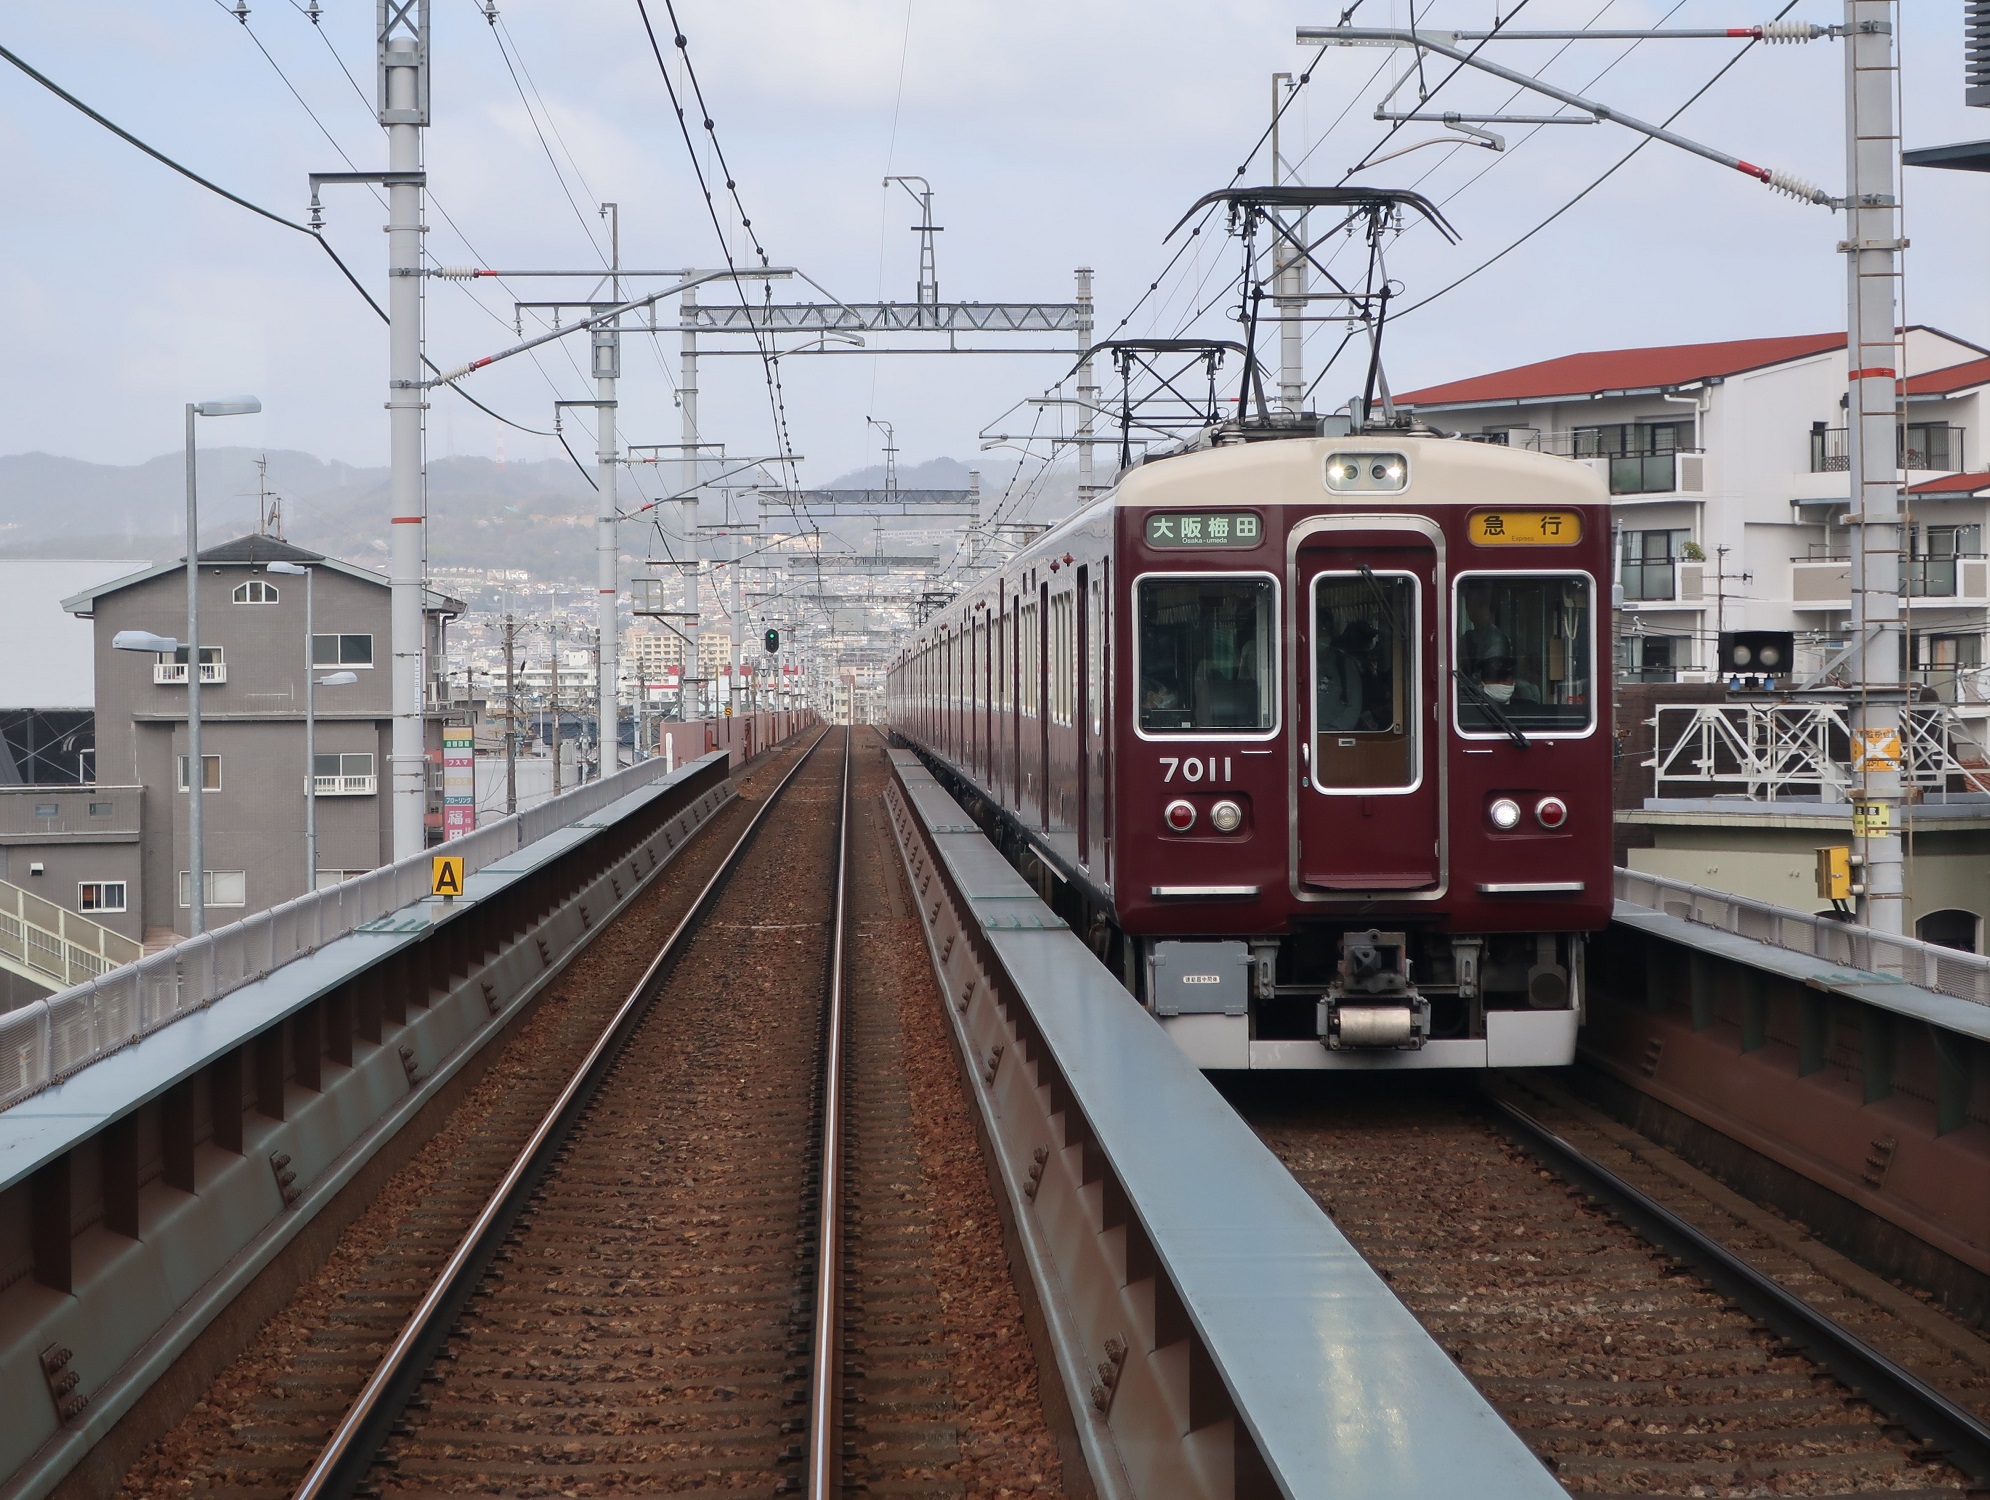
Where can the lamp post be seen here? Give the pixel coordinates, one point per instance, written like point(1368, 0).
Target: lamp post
point(312, 682)
point(144, 640)
point(239, 406)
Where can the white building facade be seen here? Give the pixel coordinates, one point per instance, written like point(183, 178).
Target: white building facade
point(1727, 467)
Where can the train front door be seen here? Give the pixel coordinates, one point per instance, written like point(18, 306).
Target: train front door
point(1367, 605)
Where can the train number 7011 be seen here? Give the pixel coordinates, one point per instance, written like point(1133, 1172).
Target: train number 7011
point(1194, 767)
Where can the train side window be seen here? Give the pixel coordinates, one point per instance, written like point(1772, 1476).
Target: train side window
point(1365, 681)
point(1207, 653)
point(1525, 654)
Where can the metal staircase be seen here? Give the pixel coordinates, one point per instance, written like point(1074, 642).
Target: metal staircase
point(54, 947)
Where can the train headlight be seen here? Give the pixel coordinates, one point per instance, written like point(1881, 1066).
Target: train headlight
point(1180, 815)
point(1226, 817)
point(1505, 814)
point(1551, 812)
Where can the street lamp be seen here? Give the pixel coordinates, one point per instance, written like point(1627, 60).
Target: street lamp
point(239, 406)
point(312, 682)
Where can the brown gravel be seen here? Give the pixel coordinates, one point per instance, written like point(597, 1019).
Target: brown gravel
point(1626, 1375)
point(1906, 1324)
point(926, 1190)
point(644, 1323)
point(289, 1376)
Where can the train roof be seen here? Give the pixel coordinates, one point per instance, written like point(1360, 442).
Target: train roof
point(1292, 471)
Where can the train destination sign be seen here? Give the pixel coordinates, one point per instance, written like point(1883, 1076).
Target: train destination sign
point(1525, 528)
point(1205, 528)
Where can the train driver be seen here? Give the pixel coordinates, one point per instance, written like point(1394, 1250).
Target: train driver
point(1341, 672)
point(1482, 640)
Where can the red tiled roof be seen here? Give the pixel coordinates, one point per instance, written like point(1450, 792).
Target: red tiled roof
point(1954, 378)
point(1952, 484)
point(1624, 370)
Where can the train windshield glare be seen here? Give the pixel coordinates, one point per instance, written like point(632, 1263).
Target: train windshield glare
point(1206, 654)
point(1523, 654)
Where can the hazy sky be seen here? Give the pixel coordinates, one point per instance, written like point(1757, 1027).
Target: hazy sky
point(1055, 134)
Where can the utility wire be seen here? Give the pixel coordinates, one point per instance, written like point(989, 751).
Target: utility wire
point(770, 363)
point(239, 201)
point(1607, 173)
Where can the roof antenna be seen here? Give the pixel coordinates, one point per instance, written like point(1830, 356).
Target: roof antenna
point(269, 504)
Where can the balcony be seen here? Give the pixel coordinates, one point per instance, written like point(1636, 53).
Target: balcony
point(174, 673)
point(1647, 473)
point(1821, 582)
point(346, 786)
point(1936, 446)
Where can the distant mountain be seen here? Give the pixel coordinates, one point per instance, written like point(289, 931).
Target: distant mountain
point(933, 474)
point(538, 516)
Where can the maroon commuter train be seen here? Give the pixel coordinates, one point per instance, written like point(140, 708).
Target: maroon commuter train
point(1310, 736)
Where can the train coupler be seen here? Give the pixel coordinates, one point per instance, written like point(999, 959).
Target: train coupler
point(1373, 1002)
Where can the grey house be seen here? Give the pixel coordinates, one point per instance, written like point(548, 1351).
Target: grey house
point(253, 668)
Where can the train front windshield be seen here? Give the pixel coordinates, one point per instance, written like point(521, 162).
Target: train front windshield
point(1206, 654)
point(1523, 654)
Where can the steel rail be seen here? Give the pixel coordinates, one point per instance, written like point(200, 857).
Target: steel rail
point(825, 1453)
point(342, 1464)
point(1895, 1390)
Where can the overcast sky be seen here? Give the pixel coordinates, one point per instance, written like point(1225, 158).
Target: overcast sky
point(1055, 132)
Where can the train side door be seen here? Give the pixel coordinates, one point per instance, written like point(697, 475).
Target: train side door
point(1368, 801)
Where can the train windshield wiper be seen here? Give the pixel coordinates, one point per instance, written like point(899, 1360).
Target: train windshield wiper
point(1491, 705)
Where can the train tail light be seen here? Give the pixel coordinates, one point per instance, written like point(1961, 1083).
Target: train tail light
point(1226, 816)
point(1551, 812)
point(1180, 815)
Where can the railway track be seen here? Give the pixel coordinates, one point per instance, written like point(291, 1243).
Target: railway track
point(1630, 1368)
point(657, 1284)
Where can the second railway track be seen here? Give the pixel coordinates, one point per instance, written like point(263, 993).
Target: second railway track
point(1620, 1365)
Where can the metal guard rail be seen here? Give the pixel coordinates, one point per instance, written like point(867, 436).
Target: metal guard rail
point(47, 1040)
point(1214, 1334)
point(1946, 971)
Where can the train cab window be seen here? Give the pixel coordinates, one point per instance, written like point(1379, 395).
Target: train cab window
point(1364, 681)
point(1207, 654)
point(1524, 654)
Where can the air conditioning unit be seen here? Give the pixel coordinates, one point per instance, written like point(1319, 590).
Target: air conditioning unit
point(1692, 472)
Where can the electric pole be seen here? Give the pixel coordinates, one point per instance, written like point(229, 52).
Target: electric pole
point(684, 548)
point(1288, 279)
point(1088, 390)
point(559, 730)
point(607, 368)
point(510, 714)
point(1872, 247)
point(403, 34)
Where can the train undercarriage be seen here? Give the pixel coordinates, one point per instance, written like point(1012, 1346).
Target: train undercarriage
point(1327, 994)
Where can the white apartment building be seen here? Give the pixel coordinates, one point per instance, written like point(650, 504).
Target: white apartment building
point(650, 665)
point(1727, 463)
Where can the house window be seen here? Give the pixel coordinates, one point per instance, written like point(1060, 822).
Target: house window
point(218, 888)
point(345, 764)
point(1656, 658)
point(341, 650)
point(209, 656)
point(100, 895)
point(255, 591)
point(102, 809)
point(1648, 564)
point(48, 809)
point(210, 773)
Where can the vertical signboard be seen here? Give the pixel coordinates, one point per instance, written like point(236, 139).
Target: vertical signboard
point(459, 780)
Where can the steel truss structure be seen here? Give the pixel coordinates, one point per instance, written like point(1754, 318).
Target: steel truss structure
point(1771, 751)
